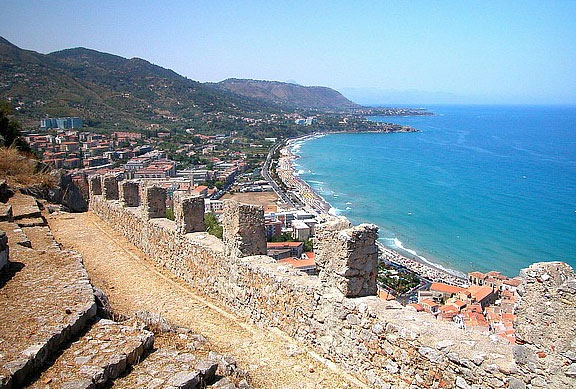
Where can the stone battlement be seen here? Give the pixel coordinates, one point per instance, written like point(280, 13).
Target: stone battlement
point(336, 312)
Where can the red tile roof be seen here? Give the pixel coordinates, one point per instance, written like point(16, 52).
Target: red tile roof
point(298, 263)
point(274, 245)
point(458, 303)
point(445, 288)
point(418, 307)
point(200, 188)
point(310, 255)
point(513, 282)
point(448, 308)
point(480, 292)
point(428, 302)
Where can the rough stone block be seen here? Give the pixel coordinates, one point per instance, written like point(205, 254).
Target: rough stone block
point(6, 213)
point(243, 226)
point(130, 193)
point(347, 257)
point(189, 213)
point(110, 187)
point(154, 202)
point(95, 185)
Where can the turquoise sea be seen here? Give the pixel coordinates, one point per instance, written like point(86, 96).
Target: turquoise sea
point(480, 188)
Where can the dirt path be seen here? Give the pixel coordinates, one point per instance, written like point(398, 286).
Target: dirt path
point(132, 283)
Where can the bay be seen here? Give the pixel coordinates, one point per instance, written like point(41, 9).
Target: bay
point(479, 188)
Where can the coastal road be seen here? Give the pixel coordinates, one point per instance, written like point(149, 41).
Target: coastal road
point(266, 174)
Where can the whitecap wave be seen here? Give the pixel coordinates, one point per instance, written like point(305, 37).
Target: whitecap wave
point(334, 211)
point(399, 245)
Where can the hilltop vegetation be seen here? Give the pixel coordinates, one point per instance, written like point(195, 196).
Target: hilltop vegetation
point(113, 92)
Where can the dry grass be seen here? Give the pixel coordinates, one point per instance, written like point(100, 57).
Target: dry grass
point(21, 171)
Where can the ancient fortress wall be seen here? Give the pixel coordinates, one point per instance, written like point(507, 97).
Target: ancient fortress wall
point(335, 312)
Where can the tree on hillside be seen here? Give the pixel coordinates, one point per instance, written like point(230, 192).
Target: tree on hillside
point(10, 129)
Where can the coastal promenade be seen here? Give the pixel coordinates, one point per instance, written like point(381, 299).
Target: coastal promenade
point(315, 203)
point(299, 187)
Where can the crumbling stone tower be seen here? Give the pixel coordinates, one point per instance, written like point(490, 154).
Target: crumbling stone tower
point(110, 187)
point(154, 202)
point(244, 232)
point(95, 185)
point(347, 257)
point(130, 193)
point(189, 213)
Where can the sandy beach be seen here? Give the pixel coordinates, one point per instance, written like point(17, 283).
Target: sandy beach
point(287, 174)
point(315, 202)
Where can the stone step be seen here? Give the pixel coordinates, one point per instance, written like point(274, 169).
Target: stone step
point(5, 212)
point(98, 357)
point(24, 206)
point(15, 234)
point(45, 301)
point(31, 222)
point(175, 364)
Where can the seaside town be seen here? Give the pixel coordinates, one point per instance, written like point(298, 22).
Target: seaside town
point(287, 195)
point(481, 302)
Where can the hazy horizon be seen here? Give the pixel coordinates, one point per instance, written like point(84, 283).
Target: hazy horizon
point(373, 52)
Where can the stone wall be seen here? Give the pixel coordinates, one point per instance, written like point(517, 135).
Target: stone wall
point(548, 350)
point(243, 229)
point(95, 185)
point(189, 212)
point(130, 193)
point(347, 257)
point(382, 342)
point(110, 187)
point(154, 201)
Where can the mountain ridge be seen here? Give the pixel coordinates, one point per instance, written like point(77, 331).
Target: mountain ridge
point(113, 92)
point(289, 94)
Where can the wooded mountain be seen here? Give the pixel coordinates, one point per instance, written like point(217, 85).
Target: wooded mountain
point(110, 91)
point(289, 94)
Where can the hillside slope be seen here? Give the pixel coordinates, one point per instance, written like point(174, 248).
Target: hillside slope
point(110, 91)
point(289, 95)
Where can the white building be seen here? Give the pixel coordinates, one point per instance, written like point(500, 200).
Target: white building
point(300, 230)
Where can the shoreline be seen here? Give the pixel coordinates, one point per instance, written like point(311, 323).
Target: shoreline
point(288, 174)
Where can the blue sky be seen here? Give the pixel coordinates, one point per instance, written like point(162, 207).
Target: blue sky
point(468, 51)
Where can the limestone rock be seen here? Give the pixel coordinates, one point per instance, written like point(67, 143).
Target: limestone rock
point(185, 380)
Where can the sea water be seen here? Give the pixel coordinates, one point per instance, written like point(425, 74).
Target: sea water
point(479, 188)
